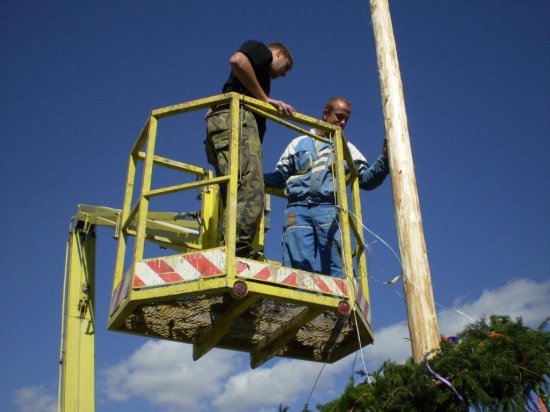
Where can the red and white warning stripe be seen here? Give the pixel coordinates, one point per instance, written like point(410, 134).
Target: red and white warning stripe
point(179, 268)
point(193, 266)
point(292, 277)
point(120, 292)
point(363, 303)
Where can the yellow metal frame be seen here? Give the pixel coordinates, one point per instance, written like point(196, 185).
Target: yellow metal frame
point(170, 230)
point(76, 364)
point(133, 219)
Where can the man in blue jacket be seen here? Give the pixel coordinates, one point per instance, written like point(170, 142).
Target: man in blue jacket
point(311, 219)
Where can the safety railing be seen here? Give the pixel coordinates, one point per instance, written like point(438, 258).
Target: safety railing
point(135, 216)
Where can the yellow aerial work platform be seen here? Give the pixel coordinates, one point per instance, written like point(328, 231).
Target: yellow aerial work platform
point(202, 293)
point(210, 298)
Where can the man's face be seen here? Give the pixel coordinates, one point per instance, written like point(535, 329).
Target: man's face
point(339, 114)
point(280, 65)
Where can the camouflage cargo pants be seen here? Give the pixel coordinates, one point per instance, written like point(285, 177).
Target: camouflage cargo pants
point(250, 192)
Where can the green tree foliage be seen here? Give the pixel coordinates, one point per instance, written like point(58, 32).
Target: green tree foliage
point(493, 366)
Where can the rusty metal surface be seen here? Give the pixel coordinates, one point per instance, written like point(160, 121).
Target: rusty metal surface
point(186, 319)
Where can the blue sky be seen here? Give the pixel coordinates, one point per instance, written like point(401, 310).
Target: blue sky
point(78, 80)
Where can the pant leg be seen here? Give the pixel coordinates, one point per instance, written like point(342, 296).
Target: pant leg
point(299, 249)
point(250, 193)
point(216, 144)
point(330, 239)
point(250, 189)
point(217, 153)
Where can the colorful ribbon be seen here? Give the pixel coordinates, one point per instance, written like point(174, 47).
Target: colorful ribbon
point(442, 379)
point(534, 403)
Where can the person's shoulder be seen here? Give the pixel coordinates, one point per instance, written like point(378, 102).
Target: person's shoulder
point(298, 144)
point(257, 52)
point(351, 145)
point(303, 140)
point(253, 44)
point(355, 153)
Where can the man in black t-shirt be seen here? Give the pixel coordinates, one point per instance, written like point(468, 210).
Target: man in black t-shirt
point(252, 68)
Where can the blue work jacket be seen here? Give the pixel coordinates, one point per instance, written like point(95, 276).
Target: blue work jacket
point(305, 171)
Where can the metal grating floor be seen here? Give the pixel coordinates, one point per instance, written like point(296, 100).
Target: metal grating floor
point(327, 338)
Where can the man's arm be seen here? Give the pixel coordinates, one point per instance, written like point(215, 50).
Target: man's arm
point(370, 176)
point(275, 179)
point(244, 71)
point(283, 170)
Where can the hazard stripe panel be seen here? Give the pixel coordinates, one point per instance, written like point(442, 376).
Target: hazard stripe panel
point(179, 268)
point(183, 268)
point(363, 304)
point(120, 292)
point(292, 277)
point(163, 270)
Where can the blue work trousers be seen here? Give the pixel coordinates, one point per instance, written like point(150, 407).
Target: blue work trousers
point(309, 230)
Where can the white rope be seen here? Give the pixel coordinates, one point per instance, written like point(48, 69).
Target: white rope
point(394, 280)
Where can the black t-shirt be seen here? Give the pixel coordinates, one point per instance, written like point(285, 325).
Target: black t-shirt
point(260, 57)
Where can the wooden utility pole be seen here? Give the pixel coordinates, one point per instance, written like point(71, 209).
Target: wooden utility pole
point(414, 259)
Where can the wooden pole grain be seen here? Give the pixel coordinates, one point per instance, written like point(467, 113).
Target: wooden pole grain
point(422, 318)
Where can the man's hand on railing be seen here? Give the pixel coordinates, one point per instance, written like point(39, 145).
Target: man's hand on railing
point(283, 108)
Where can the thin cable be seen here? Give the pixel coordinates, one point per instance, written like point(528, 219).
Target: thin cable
point(371, 252)
point(372, 233)
point(61, 377)
point(347, 270)
point(392, 281)
point(354, 285)
point(402, 271)
point(353, 364)
point(341, 320)
point(361, 347)
point(314, 385)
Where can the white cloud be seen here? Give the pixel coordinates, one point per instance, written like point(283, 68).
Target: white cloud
point(391, 342)
point(286, 382)
point(35, 399)
point(523, 298)
point(164, 374)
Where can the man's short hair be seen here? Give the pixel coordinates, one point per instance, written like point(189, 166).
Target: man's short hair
point(283, 48)
point(329, 105)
